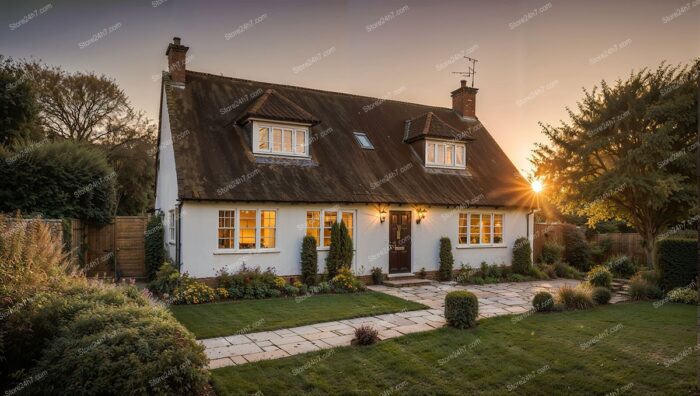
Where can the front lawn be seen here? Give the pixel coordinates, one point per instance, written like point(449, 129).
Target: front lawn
point(232, 317)
point(627, 346)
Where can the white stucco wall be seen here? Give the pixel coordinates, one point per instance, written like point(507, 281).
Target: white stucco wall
point(201, 258)
point(166, 183)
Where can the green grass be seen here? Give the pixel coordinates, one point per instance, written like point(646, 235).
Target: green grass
point(227, 318)
point(507, 353)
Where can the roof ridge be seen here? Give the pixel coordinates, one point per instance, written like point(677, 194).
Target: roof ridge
point(318, 90)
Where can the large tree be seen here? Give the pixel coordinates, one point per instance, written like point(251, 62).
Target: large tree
point(91, 108)
point(627, 153)
point(18, 107)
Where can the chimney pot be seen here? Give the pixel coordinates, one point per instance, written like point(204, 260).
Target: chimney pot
point(176, 54)
point(462, 82)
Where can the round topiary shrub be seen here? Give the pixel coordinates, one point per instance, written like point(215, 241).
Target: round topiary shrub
point(601, 295)
point(461, 309)
point(543, 302)
point(522, 256)
point(599, 276)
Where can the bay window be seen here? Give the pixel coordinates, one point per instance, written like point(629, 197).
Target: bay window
point(480, 228)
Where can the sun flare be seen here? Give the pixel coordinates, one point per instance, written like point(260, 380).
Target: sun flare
point(537, 186)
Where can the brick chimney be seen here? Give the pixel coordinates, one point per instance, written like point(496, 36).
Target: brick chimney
point(176, 60)
point(464, 100)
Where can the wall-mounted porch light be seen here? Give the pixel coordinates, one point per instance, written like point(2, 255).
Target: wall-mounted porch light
point(420, 215)
point(382, 216)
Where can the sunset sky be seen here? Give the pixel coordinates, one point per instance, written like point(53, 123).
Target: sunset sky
point(534, 56)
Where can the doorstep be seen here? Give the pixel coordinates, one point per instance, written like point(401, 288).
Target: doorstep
point(407, 282)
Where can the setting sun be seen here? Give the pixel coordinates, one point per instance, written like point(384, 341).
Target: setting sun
point(537, 186)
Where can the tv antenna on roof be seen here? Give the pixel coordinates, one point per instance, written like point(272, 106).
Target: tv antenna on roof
point(471, 69)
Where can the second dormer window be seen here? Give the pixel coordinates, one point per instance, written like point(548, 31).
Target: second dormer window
point(281, 139)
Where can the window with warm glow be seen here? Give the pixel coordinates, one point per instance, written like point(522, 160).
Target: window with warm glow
point(281, 140)
point(480, 229)
point(445, 154)
point(268, 228)
point(227, 221)
point(246, 238)
point(247, 229)
point(319, 224)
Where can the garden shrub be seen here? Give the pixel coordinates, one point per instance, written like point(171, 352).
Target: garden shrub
point(309, 260)
point(576, 250)
point(522, 256)
point(325, 287)
point(341, 250)
point(552, 252)
point(600, 276)
point(167, 279)
point(191, 291)
point(291, 291)
point(461, 309)
point(622, 266)
point(123, 350)
point(154, 246)
point(601, 295)
point(539, 274)
point(477, 280)
point(575, 298)
point(647, 275)
point(447, 262)
point(519, 278)
point(366, 335)
point(676, 262)
point(345, 281)
point(422, 273)
point(377, 276)
point(640, 289)
point(684, 295)
point(601, 249)
point(564, 270)
point(543, 302)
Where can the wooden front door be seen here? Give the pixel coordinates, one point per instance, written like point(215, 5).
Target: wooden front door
point(399, 242)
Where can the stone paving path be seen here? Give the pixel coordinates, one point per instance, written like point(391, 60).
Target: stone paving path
point(494, 300)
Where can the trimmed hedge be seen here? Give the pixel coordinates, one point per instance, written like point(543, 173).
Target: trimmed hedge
point(309, 260)
point(154, 246)
point(447, 262)
point(522, 256)
point(676, 262)
point(461, 309)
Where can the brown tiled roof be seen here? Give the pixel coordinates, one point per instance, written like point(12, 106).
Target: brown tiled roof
point(214, 159)
point(430, 125)
point(274, 106)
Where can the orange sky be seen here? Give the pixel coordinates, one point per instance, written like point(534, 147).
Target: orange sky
point(534, 56)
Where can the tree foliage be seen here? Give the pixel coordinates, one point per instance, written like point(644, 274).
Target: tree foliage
point(627, 153)
point(18, 107)
point(56, 180)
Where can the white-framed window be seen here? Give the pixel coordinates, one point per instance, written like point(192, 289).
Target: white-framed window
point(480, 228)
point(363, 140)
point(171, 225)
point(278, 139)
point(247, 229)
point(445, 154)
point(320, 222)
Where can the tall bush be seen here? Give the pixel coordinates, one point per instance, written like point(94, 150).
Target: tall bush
point(309, 260)
point(522, 256)
point(345, 243)
point(57, 180)
point(676, 262)
point(576, 250)
point(552, 252)
point(154, 246)
point(447, 262)
point(340, 252)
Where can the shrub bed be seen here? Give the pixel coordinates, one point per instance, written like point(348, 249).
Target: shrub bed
point(676, 262)
point(684, 295)
point(461, 309)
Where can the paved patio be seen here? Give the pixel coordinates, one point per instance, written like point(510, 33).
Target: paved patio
point(494, 300)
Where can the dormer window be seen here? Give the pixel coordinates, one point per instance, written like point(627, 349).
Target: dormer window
point(279, 139)
point(363, 140)
point(444, 154)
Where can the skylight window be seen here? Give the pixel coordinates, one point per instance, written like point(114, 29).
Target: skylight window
point(363, 141)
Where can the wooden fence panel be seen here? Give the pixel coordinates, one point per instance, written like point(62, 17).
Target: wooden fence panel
point(546, 233)
point(129, 243)
point(629, 244)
